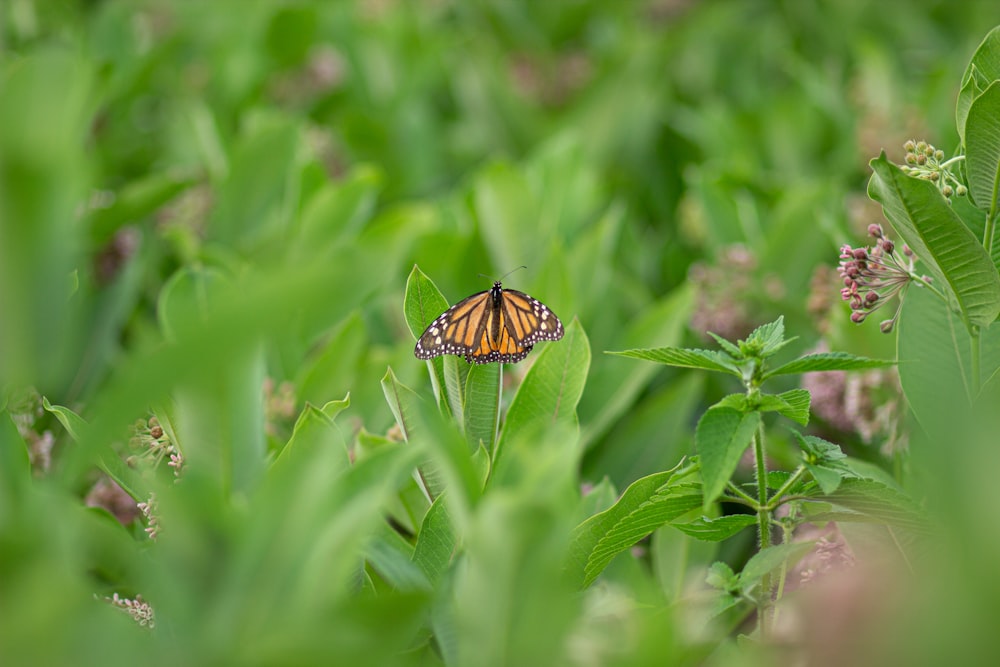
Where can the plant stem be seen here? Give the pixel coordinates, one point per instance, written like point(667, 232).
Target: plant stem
point(746, 497)
point(776, 498)
point(763, 528)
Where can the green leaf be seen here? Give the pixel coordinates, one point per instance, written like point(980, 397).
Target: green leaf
point(109, 462)
point(768, 338)
point(436, 542)
point(722, 435)
point(874, 501)
point(452, 464)
point(137, 200)
point(922, 216)
point(482, 404)
point(422, 303)
point(935, 367)
point(188, 298)
point(793, 404)
point(716, 530)
point(402, 401)
point(826, 477)
point(315, 428)
point(673, 356)
point(391, 555)
point(732, 350)
point(333, 371)
point(827, 361)
point(770, 559)
point(552, 387)
point(646, 504)
point(982, 148)
point(722, 577)
point(72, 422)
point(983, 69)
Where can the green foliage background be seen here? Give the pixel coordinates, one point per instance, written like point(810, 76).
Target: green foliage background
point(196, 198)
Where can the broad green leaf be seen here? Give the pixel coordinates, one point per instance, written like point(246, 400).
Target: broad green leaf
point(109, 462)
point(436, 542)
point(552, 387)
point(188, 298)
point(716, 530)
point(982, 148)
point(72, 422)
point(402, 401)
point(315, 428)
point(456, 375)
point(391, 556)
point(333, 372)
point(482, 404)
point(672, 356)
point(983, 69)
point(452, 465)
point(422, 303)
point(922, 216)
point(935, 368)
point(646, 504)
point(770, 559)
point(828, 361)
point(722, 435)
point(971, 89)
point(873, 500)
point(794, 405)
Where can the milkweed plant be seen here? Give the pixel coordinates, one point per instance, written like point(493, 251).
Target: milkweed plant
point(230, 526)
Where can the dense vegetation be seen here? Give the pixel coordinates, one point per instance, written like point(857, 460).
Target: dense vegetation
point(222, 226)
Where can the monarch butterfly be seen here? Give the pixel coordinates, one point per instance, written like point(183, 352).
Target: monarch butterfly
point(496, 325)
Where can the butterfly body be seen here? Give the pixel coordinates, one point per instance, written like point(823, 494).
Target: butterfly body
point(497, 325)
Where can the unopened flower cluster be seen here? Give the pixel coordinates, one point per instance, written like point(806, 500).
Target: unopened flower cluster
point(138, 609)
point(874, 275)
point(149, 510)
point(926, 162)
point(154, 445)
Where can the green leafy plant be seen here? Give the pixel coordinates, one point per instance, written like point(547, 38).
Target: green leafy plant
point(216, 446)
point(685, 497)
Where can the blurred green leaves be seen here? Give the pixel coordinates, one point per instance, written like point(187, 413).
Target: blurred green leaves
point(208, 212)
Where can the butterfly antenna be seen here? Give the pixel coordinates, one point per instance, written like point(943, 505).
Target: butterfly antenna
point(483, 275)
point(512, 271)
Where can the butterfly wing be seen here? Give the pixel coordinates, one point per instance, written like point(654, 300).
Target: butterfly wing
point(496, 344)
point(494, 326)
point(458, 330)
point(528, 320)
